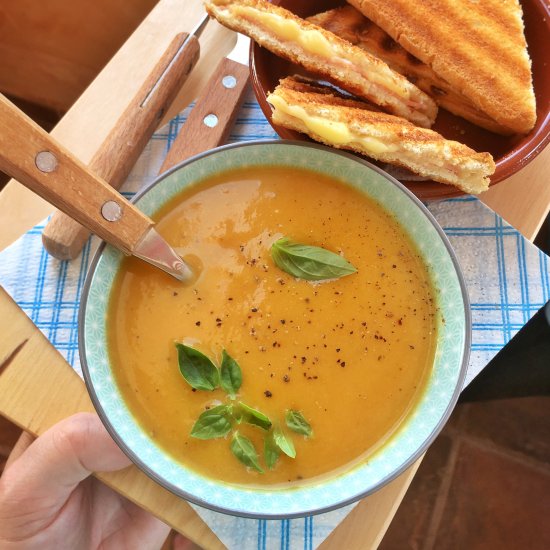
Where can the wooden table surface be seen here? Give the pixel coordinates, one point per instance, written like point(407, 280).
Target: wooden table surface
point(523, 200)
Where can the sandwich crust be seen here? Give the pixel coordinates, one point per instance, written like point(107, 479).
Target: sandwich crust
point(479, 48)
point(325, 54)
point(330, 118)
point(351, 25)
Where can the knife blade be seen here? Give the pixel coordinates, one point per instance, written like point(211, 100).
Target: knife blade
point(215, 110)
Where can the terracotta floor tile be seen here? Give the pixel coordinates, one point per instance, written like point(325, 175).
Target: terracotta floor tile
point(409, 526)
point(521, 425)
point(495, 502)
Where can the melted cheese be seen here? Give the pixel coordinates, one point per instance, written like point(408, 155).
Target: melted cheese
point(311, 40)
point(331, 131)
point(314, 42)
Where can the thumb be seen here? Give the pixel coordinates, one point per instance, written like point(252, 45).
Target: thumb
point(45, 475)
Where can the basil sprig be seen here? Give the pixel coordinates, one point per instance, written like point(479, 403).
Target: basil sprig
point(231, 376)
point(244, 450)
point(284, 442)
point(271, 451)
point(312, 263)
point(213, 423)
point(202, 374)
point(253, 416)
point(197, 369)
point(297, 423)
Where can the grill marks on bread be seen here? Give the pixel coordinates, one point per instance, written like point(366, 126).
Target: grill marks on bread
point(479, 48)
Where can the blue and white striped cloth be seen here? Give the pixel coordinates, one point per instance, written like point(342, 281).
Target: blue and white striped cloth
point(508, 280)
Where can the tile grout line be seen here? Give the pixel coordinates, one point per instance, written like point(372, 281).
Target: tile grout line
point(442, 494)
point(505, 452)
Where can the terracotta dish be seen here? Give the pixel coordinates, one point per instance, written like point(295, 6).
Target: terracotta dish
point(511, 153)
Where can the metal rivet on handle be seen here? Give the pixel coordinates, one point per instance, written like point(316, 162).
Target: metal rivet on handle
point(210, 120)
point(229, 81)
point(111, 211)
point(46, 161)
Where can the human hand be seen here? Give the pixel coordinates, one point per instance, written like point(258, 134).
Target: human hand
point(49, 500)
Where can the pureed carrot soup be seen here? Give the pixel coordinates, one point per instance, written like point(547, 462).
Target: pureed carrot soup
point(310, 377)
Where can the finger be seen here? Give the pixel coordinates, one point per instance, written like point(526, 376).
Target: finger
point(21, 445)
point(48, 471)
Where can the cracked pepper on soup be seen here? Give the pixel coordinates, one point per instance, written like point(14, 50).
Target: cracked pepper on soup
point(254, 373)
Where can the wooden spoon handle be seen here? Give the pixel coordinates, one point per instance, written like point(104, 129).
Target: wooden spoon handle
point(220, 102)
point(35, 159)
point(63, 237)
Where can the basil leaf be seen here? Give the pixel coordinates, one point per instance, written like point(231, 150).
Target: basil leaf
point(297, 423)
point(253, 416)
point(284, 442)
point(244, 450)
point(309, 262)
point(213, 423)
point(271, 451)
point(231, 376)
point(197, 369)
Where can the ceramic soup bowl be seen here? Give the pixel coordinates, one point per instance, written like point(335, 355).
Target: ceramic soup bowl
point(414, 433)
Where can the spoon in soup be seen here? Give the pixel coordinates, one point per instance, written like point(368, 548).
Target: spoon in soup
point(35, 159)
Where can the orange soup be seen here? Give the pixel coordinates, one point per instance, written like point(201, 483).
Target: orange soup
point(350, 354)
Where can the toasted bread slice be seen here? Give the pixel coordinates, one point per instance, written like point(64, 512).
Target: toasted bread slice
point(479, 48)
point(351, 25)
point(324, 53)
point(345, 123)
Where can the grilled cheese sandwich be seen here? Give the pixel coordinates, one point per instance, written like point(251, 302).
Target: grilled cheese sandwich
point(330, 118)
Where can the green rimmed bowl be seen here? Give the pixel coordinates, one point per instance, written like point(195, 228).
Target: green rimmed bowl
point(416, 431)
